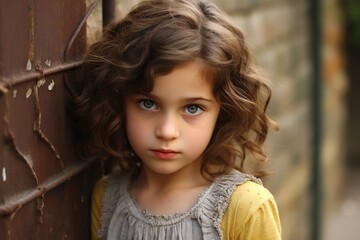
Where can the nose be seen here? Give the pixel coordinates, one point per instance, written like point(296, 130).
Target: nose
point(167, 128)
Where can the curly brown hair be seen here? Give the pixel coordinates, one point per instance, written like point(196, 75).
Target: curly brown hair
point(152, 39)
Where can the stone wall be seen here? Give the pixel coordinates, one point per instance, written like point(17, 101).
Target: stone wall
point(278, 33)
point(335, 85)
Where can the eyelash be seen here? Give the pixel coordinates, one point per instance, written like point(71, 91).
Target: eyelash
point(199, 109)
point(141, 103)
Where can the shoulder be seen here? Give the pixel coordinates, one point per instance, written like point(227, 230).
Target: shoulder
point(249, 194)
point(106, 193)
point(98, 190)
point(108, 189)
point(252, 212)
point(100, 187)
point(96, 204)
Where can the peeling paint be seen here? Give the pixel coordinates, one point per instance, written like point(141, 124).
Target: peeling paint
point(28, 93)
point(14, 93)
point(51, 85)
point(48, 62)
point(4, 174)
point(37, 127)
point(65, 236)
point(41, 82)
point(28, 65)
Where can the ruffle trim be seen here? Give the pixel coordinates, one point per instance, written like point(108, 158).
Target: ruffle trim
point(219, 200)
point(119, 207)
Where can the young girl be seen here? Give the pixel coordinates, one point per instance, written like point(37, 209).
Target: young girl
point(169, 92)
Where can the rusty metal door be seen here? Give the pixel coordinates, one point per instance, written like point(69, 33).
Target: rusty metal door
point(44, 189)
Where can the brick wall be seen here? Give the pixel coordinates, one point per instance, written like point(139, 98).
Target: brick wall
point(278, 34)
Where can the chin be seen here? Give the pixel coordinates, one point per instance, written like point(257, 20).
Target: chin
point(162, 170)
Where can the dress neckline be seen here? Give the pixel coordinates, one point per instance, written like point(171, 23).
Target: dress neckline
point(153, 219)
point(120, 212)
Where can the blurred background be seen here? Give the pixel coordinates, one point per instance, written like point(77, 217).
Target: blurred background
point(308, 49)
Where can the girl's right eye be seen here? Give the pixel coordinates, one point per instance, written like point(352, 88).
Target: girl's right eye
point(147, 104)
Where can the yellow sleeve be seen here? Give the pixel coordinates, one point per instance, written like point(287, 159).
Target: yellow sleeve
point(252, 214)
point(96, 204)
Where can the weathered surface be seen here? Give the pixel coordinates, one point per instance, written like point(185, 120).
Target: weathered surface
point(44, 188)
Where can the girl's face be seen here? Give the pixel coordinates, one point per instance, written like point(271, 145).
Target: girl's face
point(170, 127)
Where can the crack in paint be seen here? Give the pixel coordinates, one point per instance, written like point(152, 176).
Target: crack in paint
point(26, 157)
point(10, 139)
point(40, 207)
point(31, 53)
point(8, 223)
point(37, 126)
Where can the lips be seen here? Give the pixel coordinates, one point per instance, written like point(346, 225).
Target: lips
point(165, 154)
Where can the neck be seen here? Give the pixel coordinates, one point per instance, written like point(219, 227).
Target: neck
point(186, 178)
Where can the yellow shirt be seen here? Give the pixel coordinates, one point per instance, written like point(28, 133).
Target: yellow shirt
point(252, 213)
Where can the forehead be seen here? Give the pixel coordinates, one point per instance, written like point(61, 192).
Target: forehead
point(189, 79)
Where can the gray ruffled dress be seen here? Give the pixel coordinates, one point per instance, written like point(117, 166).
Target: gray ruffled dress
point(122, 218)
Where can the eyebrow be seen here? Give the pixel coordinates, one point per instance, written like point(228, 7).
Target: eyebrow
point(185, 99)
point(195, 99)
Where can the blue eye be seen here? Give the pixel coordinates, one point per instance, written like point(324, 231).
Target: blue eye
point(193, 110)
point(147, 104)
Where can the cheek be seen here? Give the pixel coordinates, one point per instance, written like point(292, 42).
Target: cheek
point(198, 139)
point(201, 137)
point(136, 130)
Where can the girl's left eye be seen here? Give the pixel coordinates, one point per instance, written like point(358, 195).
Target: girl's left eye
point(193, 110)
